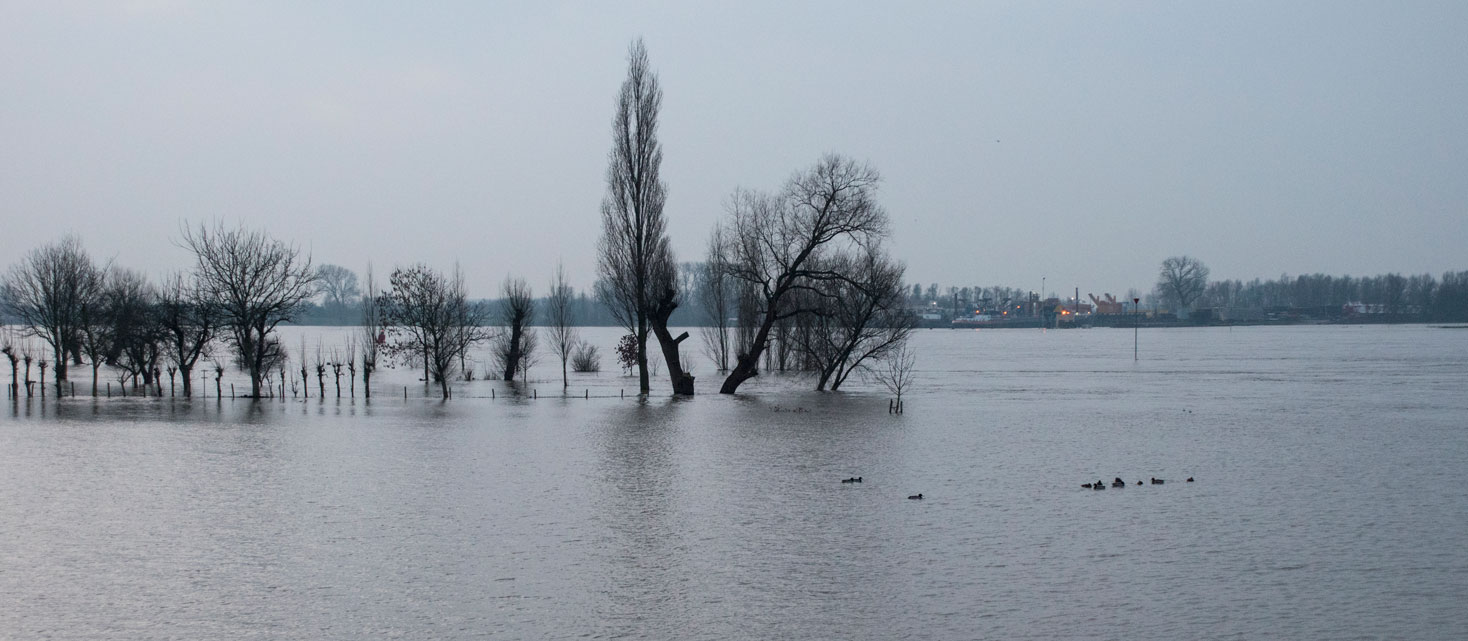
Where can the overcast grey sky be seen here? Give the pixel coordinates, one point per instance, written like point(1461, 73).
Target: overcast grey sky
point(1083, 142)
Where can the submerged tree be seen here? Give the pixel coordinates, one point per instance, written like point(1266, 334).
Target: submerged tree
point(372, 333)
point(634, 232)
point(560, 320)
point(189, 323)
point(855, 319)
point(258, 283)
point(517, 310)
point(717, 297)
point(895, 372)
point(429, 315)
point(137, 334)
point(665, 279)
point(783, 244)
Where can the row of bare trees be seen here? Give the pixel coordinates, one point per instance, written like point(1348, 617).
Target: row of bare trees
point(244, 285)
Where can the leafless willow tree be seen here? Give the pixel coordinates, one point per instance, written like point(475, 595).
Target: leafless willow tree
point(47, 290)
point(778, 242)
point(372, 332)
point(517, 311)
point(188, 321)
point(634, 232)
point(258, 282)
point(430, 316)
point(854, 319)
point(1182, 280)
point(560, 321)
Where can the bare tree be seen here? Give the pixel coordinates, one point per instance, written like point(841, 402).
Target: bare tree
point(895, 373)
point(338, 287)
point(46, 291)
point(430, 316)
point(716, 297)
point(854, 319)
point(257, 281)
point(9, 348)
point(1182, 280)
point(336, 371)
point(634, 232)
point(137, 335)
point(560, 319)
point(777, 242)
point(189, 322)
point(96, 337)
point(320, 366)
point(517, 310)
point(372, 331)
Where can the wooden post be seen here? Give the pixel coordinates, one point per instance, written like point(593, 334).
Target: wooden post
point(109, 389)
point(535, 393)
point(231, 390)
point(588, 393)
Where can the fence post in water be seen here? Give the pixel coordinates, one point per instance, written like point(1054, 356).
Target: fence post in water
point(535, 393)
point(405, 392)
point(109, 389)
point(624, 393)
point(491, 393)
point(231, 390)
point(588, 393)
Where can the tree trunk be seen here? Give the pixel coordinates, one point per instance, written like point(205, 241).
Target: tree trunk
point(512, 360)
point(188, 380)
point(682, 381)
point(747, 366)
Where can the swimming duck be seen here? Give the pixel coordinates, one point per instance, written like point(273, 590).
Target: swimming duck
point(1086, 485)
point(916, 497)
point(1139, 482)
point(1099, 485)
point(1118, 483)
point(1157, 481)
point(854, 479)
point(1190, 479)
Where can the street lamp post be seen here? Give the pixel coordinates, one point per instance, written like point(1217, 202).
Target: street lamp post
point(1135, 324)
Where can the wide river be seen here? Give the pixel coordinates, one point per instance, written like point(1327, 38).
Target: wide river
point(1330, 500)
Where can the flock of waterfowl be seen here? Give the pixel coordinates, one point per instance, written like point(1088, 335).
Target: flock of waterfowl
point(1098, 485)
point(1118, 483)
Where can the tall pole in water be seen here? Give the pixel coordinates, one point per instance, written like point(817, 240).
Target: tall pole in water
point(1135, 323)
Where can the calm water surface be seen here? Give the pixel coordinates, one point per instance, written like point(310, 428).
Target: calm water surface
point(1329, 501)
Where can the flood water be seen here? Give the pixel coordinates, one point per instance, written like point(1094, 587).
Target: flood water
point(1329, 500)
